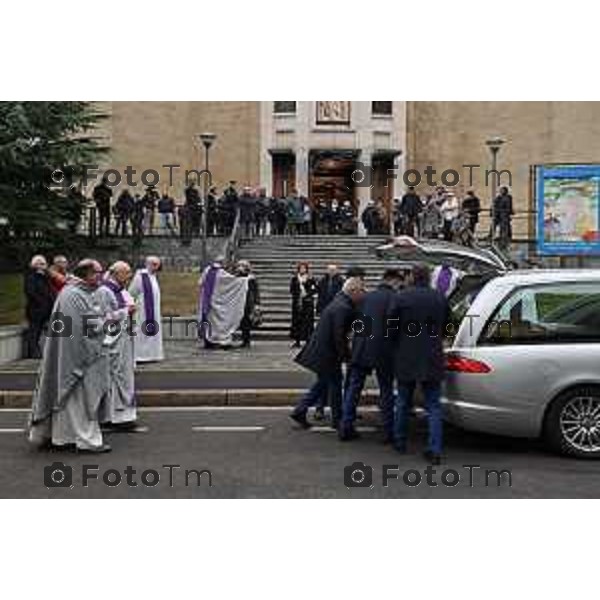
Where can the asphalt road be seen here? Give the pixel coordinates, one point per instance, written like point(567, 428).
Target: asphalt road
point(257, 453)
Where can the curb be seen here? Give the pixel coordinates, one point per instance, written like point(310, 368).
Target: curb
point(216, 397)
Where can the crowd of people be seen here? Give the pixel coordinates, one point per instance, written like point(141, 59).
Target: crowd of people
point(395, 331)
point(260, 215)
point(436, 214)
point(90, 346)
point(441, 213)
point(93, 342)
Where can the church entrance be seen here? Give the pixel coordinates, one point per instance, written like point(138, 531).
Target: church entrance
point(330, 173)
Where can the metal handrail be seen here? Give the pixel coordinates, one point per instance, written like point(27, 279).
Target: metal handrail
point(233, 241)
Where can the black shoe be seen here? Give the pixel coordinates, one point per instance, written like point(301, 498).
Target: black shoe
point(99, 450)
point(300, 418)
point(432, 458)
point(400, 449)
point(319, 414)
point(128, 427)
point(388, 440)
point(348, 434)
point(296, 345)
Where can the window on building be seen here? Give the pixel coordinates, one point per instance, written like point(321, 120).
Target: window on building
point(284, 107)
point(380, 107)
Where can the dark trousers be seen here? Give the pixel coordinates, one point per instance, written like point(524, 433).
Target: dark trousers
point(104, 223)
point(355, 382)
point(33, 334)
point(121, 225)
point(403, 405)
point(327, 385)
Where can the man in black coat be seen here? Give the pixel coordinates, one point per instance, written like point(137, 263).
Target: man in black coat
point(410, 208)
point(102, 195)
point(421, 315)
point(327, 349)
point(329, 285)
point(472, 206)
point(39, 300)
point(373, 349)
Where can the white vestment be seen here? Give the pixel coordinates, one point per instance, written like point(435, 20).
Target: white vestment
point(119, 406)
point(147, 347)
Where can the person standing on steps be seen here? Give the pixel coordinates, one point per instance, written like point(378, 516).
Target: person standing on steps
point(252, 312)
point(303, 289)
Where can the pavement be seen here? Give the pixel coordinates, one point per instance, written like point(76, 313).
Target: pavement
point(256, 452)
point(264, 374)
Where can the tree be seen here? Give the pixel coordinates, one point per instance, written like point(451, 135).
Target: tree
point(36, 138)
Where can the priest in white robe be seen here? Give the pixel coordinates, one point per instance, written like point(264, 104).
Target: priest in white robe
point(221, 303)
point(148, 342)
point(72, 378)
point(118, 411)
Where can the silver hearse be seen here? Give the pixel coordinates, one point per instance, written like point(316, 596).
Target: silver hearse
point(525, 360)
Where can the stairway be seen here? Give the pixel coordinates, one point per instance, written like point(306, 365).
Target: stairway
point(274, 261)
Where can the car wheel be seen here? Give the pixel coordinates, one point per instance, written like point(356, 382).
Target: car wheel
point(572, 424)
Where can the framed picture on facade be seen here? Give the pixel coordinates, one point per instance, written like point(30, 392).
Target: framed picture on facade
point(333, 112)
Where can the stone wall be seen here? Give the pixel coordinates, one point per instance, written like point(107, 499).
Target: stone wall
point(447, 135)
point(147, 135)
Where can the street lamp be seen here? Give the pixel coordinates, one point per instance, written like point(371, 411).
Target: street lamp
point(207, 140)
point(494, 144)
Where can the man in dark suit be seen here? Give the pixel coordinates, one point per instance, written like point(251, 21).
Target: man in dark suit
point(422, 314)
point(327, 349)
point(329, 285)
point(373, 349)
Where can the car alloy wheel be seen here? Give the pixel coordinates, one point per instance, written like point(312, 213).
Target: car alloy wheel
point(580, 423)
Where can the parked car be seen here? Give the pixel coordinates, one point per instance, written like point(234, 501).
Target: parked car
point(525, 361)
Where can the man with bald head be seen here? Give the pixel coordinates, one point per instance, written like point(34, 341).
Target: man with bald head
point(144, 288)
point(118, 409)
point(72, 378)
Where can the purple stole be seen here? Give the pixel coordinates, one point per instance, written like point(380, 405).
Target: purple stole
point(150, 323)
point(117, 291)
point(444, 279)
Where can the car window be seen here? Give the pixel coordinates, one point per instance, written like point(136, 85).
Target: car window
point(551, 313)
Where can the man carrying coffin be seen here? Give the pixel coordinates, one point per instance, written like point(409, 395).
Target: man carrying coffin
point(221, 303)
point(72, 378)
point(144, 288)
point(118, 409)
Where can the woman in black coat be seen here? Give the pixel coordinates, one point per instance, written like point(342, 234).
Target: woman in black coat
point(303, 289)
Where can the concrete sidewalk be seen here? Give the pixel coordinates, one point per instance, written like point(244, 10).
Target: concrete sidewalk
point(264, 375)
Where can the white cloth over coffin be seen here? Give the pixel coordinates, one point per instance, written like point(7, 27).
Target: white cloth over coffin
point(146, 347)
point(226, 306)
point(119, 405)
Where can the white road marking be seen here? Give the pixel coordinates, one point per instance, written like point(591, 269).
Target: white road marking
point(12, 430)
point(229, 428)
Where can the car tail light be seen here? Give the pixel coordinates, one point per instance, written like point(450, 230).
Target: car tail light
point(461, 364)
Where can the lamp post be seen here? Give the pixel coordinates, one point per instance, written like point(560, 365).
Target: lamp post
point(494, 144)
point(207, 140)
